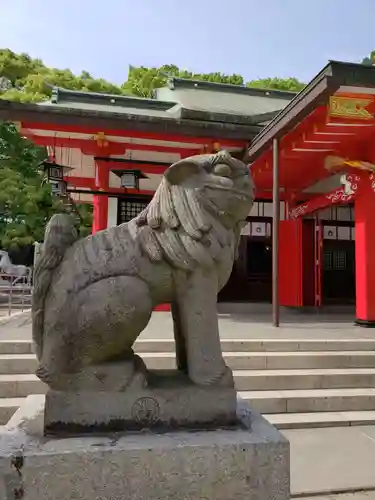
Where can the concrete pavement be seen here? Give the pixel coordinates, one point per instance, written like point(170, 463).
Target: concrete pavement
point(362, 495)
point(332, 459)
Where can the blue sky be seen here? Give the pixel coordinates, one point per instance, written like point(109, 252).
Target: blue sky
point(255, 38)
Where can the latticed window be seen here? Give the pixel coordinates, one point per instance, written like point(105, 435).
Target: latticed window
point(327, 261)
point(339, 261)
point(128, 209)
point(335, 261)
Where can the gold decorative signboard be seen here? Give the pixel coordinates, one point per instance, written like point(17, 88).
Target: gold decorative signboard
point(349, 107)
point(101, 140)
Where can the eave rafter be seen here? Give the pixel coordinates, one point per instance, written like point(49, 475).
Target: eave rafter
point(135, 134)
point(321, 134)
point(93, 146)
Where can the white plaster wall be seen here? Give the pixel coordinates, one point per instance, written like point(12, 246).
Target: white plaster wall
point(82, 197)
point(82, 165)
point(150, 184)
point(263, 209)
point(112, 212)
point(343, 213)
point(146, 156)
point(221, 102)
point(114, 180)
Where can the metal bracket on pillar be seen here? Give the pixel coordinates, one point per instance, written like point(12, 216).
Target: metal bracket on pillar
point(275, 234)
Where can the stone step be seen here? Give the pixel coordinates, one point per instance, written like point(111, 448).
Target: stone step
point(232, 345)
point(277, 360)
point(17, 363)
point(26, 363)
point(266, 345)
point(20, 385)
point(8, 406)
point(16, 347)
point(312, 400)
point(323, 378)
point(321, 419)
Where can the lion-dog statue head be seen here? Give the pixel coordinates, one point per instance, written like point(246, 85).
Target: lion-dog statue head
point(200, 205)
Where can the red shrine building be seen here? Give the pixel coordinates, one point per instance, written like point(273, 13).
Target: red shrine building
point(322, 146)
point(116, 148)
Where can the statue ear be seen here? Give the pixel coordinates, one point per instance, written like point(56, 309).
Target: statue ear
point(181, 170)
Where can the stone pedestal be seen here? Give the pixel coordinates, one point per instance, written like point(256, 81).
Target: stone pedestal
point(249, 461)
point(170, 401)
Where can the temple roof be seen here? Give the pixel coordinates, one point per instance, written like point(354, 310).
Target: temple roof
point(187, 99)
point(175, 83)
point(102, 119)
point(334, 75)
point(61, 96)
point(332, 118)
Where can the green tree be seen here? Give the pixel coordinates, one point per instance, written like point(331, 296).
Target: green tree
point(288, 84)
point(84, 211)
point(369, 60)
point(26, 202)
point(143, 81)
point(25, 207)
point(18, 153)
point(30, 80)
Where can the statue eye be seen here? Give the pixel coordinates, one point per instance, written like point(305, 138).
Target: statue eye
point(223, 170)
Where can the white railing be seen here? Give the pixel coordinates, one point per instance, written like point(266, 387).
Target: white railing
point(15, 293)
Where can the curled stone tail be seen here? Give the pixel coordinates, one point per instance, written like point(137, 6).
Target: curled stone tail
point(59, 236)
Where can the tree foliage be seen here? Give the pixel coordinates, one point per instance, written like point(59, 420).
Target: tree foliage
point(369, 60)
point(288, 84)
point(29, 80)
point(26, 204)
point(143, 81)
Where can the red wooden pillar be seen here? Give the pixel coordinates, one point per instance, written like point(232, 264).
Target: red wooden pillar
point(100, 202)
point(296, 263)
point(290, 263)
point(365, 253)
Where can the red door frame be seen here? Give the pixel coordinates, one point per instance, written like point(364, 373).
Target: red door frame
point(318, 256)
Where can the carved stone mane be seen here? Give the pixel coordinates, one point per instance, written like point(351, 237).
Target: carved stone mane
point(182, 226)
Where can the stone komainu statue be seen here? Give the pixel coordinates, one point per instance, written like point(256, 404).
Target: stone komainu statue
point(94, 296)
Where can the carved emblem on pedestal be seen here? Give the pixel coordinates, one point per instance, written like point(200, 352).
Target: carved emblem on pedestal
point(146, 410)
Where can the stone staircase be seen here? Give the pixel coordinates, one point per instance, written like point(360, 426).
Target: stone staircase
point(294, 383)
